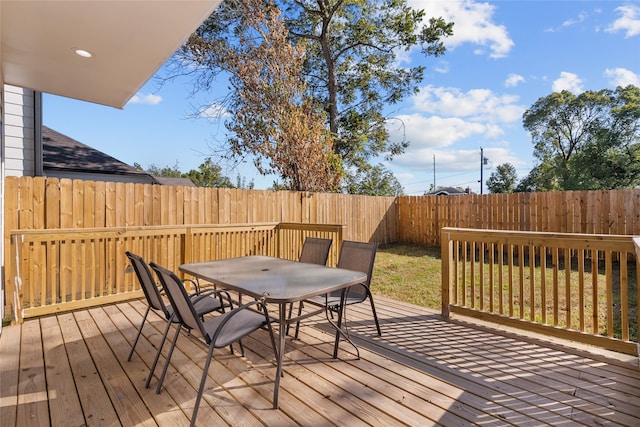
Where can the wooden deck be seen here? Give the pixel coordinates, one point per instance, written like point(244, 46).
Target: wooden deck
point(71, 370)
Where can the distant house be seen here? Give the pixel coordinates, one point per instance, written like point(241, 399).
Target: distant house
point(64, 157)
point(167, 180)
point(449, 191)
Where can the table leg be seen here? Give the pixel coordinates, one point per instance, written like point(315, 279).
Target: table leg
point(339, 330)
point(282, 327)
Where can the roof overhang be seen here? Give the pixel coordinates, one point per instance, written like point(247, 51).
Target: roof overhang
point(129, 41)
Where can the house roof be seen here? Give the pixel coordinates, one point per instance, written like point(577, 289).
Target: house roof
point(166, 180)
point(447, 191)
point(59, 152)
point(129, 42)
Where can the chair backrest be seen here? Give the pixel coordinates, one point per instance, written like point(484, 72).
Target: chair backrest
point(358, 256)
point(147, 282)
point(315, 250)
point(180, 301)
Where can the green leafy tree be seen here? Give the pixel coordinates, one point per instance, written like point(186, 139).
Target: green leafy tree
point(208, 174)
point(376, 181)
point(351, 68)
point(586, 141)
point(166, 171)
point(503, 180)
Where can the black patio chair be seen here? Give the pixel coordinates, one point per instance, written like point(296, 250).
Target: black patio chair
point(315, 250)
point(357, 256)
point(204, 302)
point(217, 332)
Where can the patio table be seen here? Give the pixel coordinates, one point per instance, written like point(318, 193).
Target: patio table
point(278, 281)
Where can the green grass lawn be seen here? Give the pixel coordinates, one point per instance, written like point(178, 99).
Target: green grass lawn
point(408, 273)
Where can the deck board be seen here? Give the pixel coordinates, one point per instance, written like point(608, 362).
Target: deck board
point(71, 369)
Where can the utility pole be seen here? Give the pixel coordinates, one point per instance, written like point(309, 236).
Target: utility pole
point(434, 173)
point(483, 161)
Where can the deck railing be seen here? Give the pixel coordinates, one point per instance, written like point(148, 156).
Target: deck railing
point(581, 287)
point(65, 269)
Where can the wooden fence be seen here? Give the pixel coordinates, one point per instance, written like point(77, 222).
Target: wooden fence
point(420, 219)
point(37, 203)
point(582, 287)
point(65, 269)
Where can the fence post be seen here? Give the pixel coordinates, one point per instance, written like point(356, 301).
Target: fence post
point(14, 282)
point(446, 256)
point(187, 245)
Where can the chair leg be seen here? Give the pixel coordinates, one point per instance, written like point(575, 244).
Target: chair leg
point(138, 336)
point(298, 322)
point(203, 381)
point(166, 362)
point(290, 313)
point(375, 315)
point(155, 361)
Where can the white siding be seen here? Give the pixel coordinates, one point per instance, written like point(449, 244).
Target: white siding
point(19, 127)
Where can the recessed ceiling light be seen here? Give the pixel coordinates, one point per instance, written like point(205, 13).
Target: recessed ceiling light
point(83, 53)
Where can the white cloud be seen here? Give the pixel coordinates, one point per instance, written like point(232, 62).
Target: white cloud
point(582, 16)
point(513, 80)
point(629, 22)
point(568, 81)
point(428, 132)
point(146, 99)
point(570, 22)
point(622, 77)
point(473, 24)
point(442, 67)
point(214, 111)
point(477, 104)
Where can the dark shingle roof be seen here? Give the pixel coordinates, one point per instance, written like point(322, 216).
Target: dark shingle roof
point(182, 182)
point(60, 152)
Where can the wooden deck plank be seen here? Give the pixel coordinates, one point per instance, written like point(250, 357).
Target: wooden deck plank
point(187, 362)
point(32, 391)
point(112, 323)
point(181, 395)
point(523, 390)
point(123, 396)
point(96, 406)
point(417, 389)
point(9, 372)
point(424, 370)
point(64, 403)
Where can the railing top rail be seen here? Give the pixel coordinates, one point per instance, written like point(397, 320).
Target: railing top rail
point(49, 234)
point(534, 238)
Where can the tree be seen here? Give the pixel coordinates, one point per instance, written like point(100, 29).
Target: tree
point(166, 171)
point(208, 174)
point(351, 65)
point(503, 180)
point(588, 141)
point(273, 118)
point(377, 181)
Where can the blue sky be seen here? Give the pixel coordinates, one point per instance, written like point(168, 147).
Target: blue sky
point(504, 56)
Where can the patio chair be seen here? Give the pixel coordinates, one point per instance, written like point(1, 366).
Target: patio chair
point(217, 332)
point(205, 302)
point(357, 256)
point(314, 251)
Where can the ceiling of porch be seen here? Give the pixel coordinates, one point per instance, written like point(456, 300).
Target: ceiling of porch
point(128, 40)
